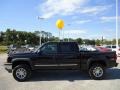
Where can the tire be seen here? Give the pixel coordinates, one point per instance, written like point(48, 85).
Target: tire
point(21, 72)
point(97, 71)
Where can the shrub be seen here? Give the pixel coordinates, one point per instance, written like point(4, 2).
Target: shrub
point(3, 49)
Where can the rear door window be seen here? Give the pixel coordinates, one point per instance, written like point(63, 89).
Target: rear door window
point(66, 48)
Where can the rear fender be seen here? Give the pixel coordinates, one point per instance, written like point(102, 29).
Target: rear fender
point(97, 59)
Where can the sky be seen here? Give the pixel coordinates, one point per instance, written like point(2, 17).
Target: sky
point(88, 19)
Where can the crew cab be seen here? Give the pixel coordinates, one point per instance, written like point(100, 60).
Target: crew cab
point(60, 56)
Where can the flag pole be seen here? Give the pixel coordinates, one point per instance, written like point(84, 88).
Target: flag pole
point(59, 35)
point(116, 26)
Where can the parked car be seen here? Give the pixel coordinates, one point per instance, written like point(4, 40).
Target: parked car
point(60, 56)
point(11, 48)
point(87, 48)
point(28, 47)
point(113, 48)
point(103, 49)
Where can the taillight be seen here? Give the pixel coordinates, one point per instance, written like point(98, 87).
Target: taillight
point(114, 57)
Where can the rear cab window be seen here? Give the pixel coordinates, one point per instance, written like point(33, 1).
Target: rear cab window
point(67, 48)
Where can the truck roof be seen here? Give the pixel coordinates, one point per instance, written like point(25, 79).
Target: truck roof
point(62, 42)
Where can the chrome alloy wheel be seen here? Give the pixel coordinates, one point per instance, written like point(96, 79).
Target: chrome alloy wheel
point(97, 71)
point(21, 73)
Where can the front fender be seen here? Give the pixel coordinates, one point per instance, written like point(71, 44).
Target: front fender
point(23, 60)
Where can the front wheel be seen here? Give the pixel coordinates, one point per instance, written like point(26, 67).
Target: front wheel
point(97, 71)
point(21, 72)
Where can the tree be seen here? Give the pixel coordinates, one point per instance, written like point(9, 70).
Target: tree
point(12, 36)
point(79, 40)
point(89, 42)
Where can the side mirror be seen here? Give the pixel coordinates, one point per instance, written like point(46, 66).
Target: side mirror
point(40, 52)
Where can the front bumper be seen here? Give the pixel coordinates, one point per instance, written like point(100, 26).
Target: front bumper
point(8, 67)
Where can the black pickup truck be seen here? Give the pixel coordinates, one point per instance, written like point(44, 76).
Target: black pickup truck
point(59, 56)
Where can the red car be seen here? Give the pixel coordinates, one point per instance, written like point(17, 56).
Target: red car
point(103, 49)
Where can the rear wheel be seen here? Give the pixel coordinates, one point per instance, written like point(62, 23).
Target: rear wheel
point(21, 72)
point(97, 71)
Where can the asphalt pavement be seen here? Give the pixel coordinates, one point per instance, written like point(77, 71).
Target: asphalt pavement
point(59, 80)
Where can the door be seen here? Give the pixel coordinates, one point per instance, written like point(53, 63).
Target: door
point(46, 58)
point(67, 57)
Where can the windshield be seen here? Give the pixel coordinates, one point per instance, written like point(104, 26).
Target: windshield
point(37, 49)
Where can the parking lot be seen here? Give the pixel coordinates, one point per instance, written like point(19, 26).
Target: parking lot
point(59, 80)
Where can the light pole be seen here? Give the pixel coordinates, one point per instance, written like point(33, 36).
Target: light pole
point(116, 26)
point(40, 39)
point(102, 40)
point(40, 18)
point(0, 34)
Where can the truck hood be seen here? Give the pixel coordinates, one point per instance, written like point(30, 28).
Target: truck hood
point(22, 55)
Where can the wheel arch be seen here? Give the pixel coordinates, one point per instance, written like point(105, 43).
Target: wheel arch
point(92, 61)
point(17, 61)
